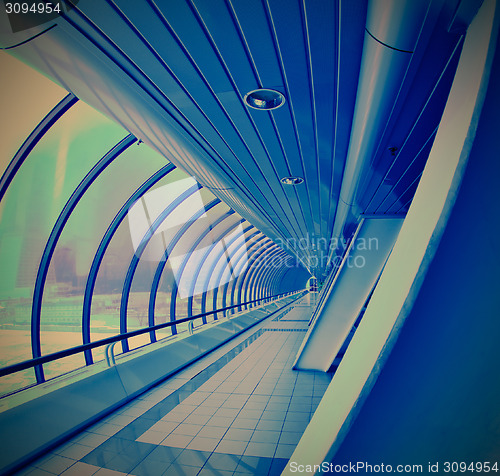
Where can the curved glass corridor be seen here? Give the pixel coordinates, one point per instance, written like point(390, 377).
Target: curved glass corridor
point(233, 234)
point(100, 235)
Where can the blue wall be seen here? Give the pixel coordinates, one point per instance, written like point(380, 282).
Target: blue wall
point(438, 397)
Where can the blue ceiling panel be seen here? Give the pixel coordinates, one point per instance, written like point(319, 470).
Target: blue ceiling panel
point(364, 82)
point(217, 20)
point(252, 22)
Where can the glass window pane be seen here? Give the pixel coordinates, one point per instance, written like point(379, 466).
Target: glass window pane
point(30, 208)
point(209, 242)
point(111, 275)
point(190, 212)
point(78, 244)
point(237, 250)
point(160, 247)
point(162, 305)
point(26, 97)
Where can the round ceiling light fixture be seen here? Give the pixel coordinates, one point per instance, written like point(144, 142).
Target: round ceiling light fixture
point(292, 180)
point(264, 99)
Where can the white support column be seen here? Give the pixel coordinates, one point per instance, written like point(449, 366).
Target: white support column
point(353, 283)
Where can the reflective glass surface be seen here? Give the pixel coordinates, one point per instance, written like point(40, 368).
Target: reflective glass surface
point(100, 235)
point(26, 97)
point(29, 211)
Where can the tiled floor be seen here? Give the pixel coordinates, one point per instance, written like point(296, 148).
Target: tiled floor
point(239, 411)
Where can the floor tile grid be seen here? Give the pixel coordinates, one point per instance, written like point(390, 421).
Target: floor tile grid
point(77, 449)
point(99, 429)
point(290, 432)
point(220, 396)
point(293, 435)
point(130, 412)
point(212, 460)
point(209, 466)
point(261, 431)
point(232, 460)
point(67, 454)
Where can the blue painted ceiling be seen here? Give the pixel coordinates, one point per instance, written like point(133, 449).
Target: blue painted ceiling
point(365, 84)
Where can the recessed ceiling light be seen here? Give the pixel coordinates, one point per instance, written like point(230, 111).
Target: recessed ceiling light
point(292, 180)
point(265, 99)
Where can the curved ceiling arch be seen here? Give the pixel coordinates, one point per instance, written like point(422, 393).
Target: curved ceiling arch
point(138, 253)
point(247, 283)
point(103, 246)
point(163, 261)
point(252, 261)
point(218, 276)
point(248, 252)
point(53, 239)
point(206, 284)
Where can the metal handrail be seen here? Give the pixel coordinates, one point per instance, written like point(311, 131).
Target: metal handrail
point(26, 364)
